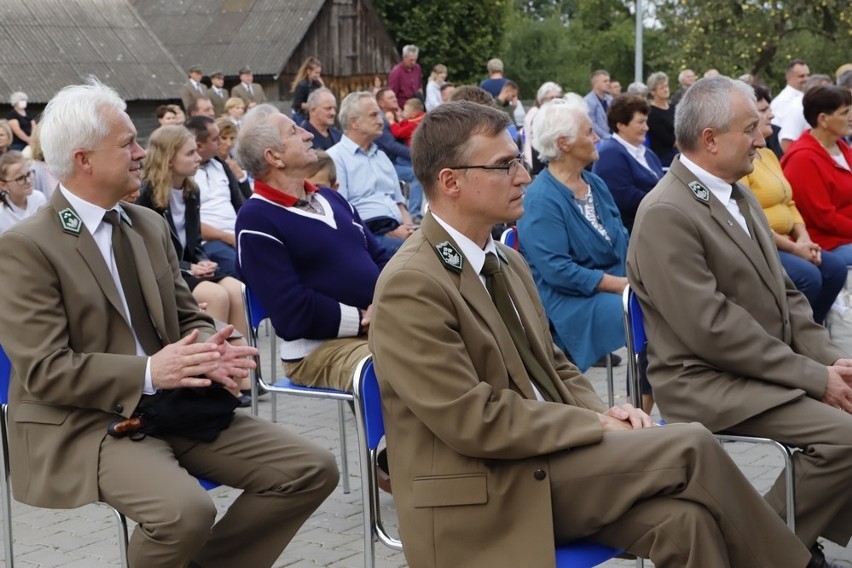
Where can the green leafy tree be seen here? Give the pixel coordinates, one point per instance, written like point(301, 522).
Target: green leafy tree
point(565, 41)
point(754, 36)
point(461, 34)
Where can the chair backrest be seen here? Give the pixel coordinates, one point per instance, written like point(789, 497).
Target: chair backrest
point(255, 312)
point(636, 323)
point(5, 376)
point(371, 405)
point(510, 237)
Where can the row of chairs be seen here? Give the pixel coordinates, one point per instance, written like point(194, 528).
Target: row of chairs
point(370, 427)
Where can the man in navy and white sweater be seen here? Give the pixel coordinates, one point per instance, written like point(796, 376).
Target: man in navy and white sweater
point(305, 253)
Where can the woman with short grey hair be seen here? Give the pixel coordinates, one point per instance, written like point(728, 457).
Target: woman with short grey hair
point(572, 236)
point(661, 119)
point(546, 93)
point(20, 122)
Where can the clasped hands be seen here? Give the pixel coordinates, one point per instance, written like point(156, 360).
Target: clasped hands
point(191, 363)
point(838, 391)
point(624, 417)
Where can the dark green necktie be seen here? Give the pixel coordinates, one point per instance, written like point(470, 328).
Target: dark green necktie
point(496, 284)
point(139, 318)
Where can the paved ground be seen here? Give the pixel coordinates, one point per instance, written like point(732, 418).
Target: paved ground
point(85, 537)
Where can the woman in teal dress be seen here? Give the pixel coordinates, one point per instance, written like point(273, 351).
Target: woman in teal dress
point(573, 238)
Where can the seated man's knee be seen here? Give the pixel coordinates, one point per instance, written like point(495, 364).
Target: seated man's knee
point(187, 519)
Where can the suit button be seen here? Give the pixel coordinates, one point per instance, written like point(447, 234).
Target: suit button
point(539, 474)
point(119, 408)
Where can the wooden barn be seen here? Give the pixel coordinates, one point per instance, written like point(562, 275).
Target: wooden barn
point(274, 37)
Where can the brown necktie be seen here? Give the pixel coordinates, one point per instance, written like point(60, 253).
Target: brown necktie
point(140, 320)
point(496, 284)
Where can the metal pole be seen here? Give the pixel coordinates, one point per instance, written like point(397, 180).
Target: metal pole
point(640, 13)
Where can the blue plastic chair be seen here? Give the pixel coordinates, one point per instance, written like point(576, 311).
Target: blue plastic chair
point(120, 519)
point(637, 341)
point(371, 430)
point(509, 237)
point(255, 315)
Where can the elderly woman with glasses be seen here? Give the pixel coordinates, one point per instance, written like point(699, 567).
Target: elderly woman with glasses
point(17, 199)
point(572, 236)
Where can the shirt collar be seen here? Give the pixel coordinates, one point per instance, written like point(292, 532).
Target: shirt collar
point(717, 186)
point(354, 148)
point(636, 151)
point(471, 251)
point(91, 214)
point(278, 196)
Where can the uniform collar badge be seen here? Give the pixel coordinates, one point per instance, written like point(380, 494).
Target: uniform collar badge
point(449, 255)
point(70, 221)
point(699, 191)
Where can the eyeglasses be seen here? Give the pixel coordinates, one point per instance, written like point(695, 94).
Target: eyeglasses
point(511, 167)
point(21, 179)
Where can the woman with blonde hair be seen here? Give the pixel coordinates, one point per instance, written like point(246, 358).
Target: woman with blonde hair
point(168, 189)
point(433, 87)
point(6, 136)
point(235, 108)
point(307, 80)
point(17, 199)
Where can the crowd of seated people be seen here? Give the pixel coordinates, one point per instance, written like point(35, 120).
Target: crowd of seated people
point(286, 203)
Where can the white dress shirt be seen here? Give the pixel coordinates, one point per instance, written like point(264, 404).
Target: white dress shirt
point(719, 188)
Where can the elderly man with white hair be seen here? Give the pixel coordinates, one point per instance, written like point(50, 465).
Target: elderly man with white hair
point(366, 175)
point(306, 254)
point(406, 77)
point(102, 330)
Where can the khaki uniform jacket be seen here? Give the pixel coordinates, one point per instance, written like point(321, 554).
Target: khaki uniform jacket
point(218, 100)
point(729, 336)
point(467, 439)
point(188, 94)
point(257, 95)
point(75, 368)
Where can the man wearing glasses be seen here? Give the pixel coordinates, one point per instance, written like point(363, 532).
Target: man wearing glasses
point(499, 448)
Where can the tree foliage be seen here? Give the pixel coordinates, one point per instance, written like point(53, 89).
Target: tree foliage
point(564, 42)
point(755, 36)
point(461, 34)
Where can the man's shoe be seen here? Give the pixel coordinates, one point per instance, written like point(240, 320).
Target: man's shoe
point(616, 361)
point(245, 400)
point(818, 559)
point(382, 471)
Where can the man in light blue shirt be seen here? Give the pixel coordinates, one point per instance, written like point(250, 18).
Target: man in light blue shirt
point(365, 174)
point(599, 100)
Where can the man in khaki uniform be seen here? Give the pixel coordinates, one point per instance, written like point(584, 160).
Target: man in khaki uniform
point(72, 320)
point(732, 343)
point(501, 450)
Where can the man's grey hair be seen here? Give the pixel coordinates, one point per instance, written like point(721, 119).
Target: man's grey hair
point(313, 98)
point(637, 88)
point(682, 75)
point(707, 104)
point(410, 50)
point(845, 80)
point(494, 65)
point(560, 118)
point(75, 119)
point(255, 137)
point(817, 80)
point(547, 89)
point(350, 107)
point(16, 97)
point(656, 79)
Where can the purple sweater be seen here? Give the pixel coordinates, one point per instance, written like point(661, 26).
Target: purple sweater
point(310, 272)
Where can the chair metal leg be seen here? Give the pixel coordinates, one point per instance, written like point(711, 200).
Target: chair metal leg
point(121, 525)
point(6, 490)
point(610, 386)
point(344, 462)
